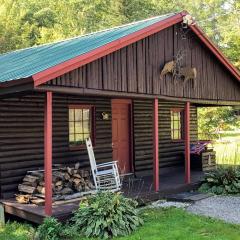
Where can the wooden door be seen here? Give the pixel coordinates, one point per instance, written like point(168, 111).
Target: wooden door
point(121, 133)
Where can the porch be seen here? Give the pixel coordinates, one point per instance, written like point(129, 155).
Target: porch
point(122, 140)
point(139, 188)
point(151, 148)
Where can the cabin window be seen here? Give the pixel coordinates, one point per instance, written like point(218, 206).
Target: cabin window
point(176, 124)
point(81, 124)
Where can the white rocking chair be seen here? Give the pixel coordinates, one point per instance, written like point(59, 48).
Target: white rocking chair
point(105, 175)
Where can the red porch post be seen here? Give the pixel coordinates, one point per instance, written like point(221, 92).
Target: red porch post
point(155, 146)
point(48, 152)
point(187, 143)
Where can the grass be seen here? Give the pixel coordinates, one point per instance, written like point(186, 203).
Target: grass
point(177, 224)
point(168, 224)
point(228, 150)
point(16, 231)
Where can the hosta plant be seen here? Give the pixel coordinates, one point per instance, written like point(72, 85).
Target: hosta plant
point(50, 229)
point(222, 181)
point(106, 215)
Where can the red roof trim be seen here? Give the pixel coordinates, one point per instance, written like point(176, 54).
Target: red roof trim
point(60, 69)
point(216, 51)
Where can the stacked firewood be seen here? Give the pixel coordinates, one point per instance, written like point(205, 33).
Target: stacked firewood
point(65, 181)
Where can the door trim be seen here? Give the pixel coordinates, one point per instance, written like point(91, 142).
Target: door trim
point(127, 101)
point(131, 135)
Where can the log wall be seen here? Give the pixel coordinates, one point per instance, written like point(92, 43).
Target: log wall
point(137, 67)
point(21, 136)
point(171, 153)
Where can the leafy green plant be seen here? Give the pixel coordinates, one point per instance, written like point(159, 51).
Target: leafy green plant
point(50, 229)
point(211, 120)
point(222, 181)
point(106, 215)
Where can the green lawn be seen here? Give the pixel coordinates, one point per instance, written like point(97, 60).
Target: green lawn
point(170, 224)
point(176, 224)
point(228, 150)
point(16, 231)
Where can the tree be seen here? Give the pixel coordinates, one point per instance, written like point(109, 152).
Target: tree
point(214, 119)
point(25, 23)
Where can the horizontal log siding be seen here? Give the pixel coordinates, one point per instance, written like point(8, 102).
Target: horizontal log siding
point(21, 136)
point(143, 136)
point(136, 69)
point(170, 152)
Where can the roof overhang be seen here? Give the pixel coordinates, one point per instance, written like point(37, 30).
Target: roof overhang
point(64, 67)
point(81, 60)
point(210, 45)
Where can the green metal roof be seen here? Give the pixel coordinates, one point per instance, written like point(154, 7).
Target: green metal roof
point(27, 62)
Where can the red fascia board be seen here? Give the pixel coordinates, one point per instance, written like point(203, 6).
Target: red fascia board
point(60, 69)
point(210, 45)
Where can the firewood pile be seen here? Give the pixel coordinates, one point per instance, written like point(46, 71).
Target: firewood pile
point(67, 183)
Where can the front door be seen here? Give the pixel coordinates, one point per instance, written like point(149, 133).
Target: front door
point(121, 143)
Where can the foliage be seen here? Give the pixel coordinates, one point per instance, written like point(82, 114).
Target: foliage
point(176, 224)
point(106, 215)
point(25, 23)
point(159, 224)
point(16, 231)
point(222, 181)
point(228, 150)
point(211, 120)
point(50, 229)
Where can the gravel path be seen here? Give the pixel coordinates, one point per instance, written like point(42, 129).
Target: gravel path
point(226, 208)
point(167, 204)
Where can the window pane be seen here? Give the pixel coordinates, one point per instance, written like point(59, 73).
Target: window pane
point(176, 116)
point(78, 114)
point(174, 134)
point(71, 127)
point(71, 138)
point(86, 135)
point(176, 125)
point(79, 139)
point(78, 127)
point(86, 126)
point(71, 114)
point(178, 134)
point(86, 114)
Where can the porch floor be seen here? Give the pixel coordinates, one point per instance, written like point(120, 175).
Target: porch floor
point(169, 183)
point(140, 188)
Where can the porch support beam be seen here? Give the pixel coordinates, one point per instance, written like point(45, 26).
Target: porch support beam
point(107, 93)
point(187, 143)
point(48, 152)
point(155, 146)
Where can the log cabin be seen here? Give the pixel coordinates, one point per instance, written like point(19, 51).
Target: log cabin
point(110, 86)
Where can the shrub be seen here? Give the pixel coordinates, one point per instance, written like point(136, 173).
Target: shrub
point(50, 229)
point(106, 215)
point(222, 181)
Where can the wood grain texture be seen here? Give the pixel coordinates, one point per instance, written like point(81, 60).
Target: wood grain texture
point(22, 139)
point(171, 153)
point(136, 69)
point(22, 128)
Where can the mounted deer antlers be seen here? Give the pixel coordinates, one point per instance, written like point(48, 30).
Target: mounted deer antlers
point(174, 67)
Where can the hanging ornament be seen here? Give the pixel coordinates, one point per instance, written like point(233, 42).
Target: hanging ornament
point(188, 20)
